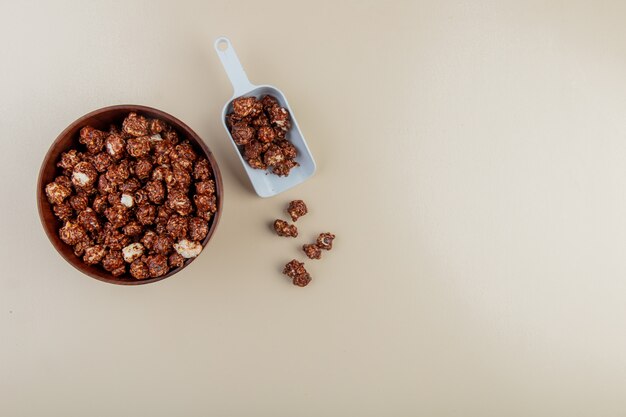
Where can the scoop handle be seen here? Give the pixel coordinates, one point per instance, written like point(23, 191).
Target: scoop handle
point(232, 66)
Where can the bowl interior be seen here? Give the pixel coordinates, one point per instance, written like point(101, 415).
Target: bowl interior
point(102, 119)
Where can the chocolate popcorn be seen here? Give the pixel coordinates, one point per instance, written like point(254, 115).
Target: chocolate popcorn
point(72, 233)
point(135, 196)
point(157, 265)
point(115, 146)
point(56, 192)
point(297, 209)
point(296, 271)
point(93, 139)
point(135, 125)
point(260, 128)
point(312, 251)
point(139, 269)
point(198, 229)
point(325, 241)
point(175, 260)
point(283, 228)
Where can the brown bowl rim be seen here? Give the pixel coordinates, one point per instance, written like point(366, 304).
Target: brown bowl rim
point(179, 125)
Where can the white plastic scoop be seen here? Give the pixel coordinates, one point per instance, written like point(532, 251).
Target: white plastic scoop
point(264, 182)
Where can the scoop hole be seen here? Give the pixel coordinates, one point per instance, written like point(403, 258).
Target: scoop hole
point(222, 45)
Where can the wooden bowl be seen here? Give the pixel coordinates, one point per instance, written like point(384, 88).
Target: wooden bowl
point(102, 119)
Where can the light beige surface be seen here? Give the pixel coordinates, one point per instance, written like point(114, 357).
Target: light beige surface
point(471, 161)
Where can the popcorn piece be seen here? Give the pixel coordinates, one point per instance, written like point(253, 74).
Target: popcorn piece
point(256, 163)
point(202, 170)
point(79, 202)
point(268, 102)
point(64, 180)
point(138, 147)
point(148, 239)
point(285, 229)
point(260, 121)
point(118, 173)
point(253, 149)
point(163, 244)
point(257, 109)
point(114, 239)
point(281, 132)
point(302, 280)
point(278, 116)
point(127, 200)
point(105, 185)
point(282, 169)
point(79, 248)
point(117, 214)
point(205, 187)
point(130, 186)
point(325, 241)
point(146, 214)
point(135, 125)
point(184, 151)
point(198, 229)
point(88, 219)
point(113, 260)
point(297, 209)
point(232, 119)
point(312, 251)
point(139, 270)
point(188, 249)
point(294, 268)
point(141, 197)
point(244, 106)
point(132, 252)
point(156, 126)
point(119, 271)
point(93, 139)
point(266, 134)
point(100, 204)
point(296, 271)
point(142, 168)
point(288, 149)
point(170, 136)
point(115, 145)
point(94, 254)
point(156, 191)
point(63, 211)
point(69, 159)
point(206, 215)
point(72, 233)
point(178, 226)
point(164, 213)
point(175, 260)
point(179, 202)
point(161, 172)
point(157, 265)
point(205, 202)
point(132, 228)
point(178, 179)
point(273, 156)
point(242, 133)
point(101, 161)
point(56, 192)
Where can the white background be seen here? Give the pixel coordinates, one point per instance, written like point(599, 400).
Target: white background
point(471, 161)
